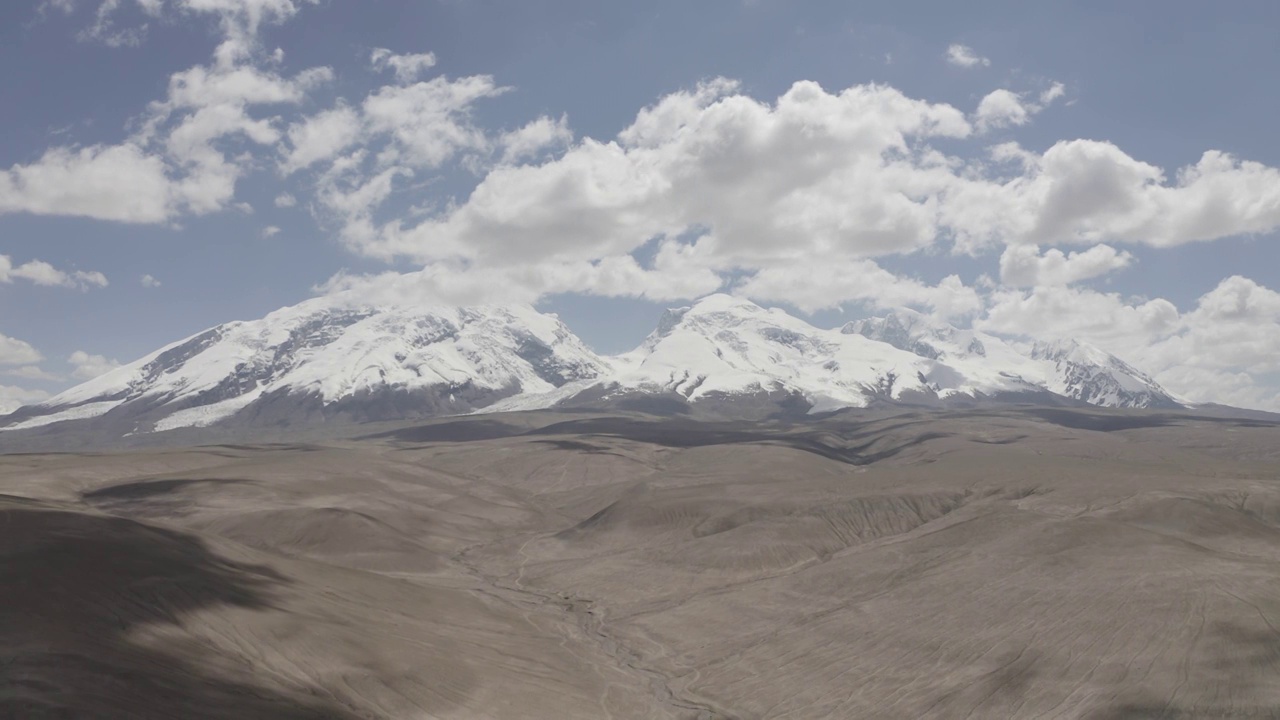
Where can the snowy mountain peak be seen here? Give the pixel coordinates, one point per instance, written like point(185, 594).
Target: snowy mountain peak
point(316, 358)
point(907, 330)
point(1073, 351)
point(329, 358)
point(711, 310)
point(1085, 372)
point(725, 346)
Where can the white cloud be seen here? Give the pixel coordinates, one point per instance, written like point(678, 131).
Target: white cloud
point(104, 30)
point(533, 138)
point(827, 285)
point(17, 352)
point(1001, 108)
point(393, 132)
point(1085, 191)
point(964, 56)
point(87, 367)
point(240, 20)
point(66, 7)
point(737, 188)
point(1004, 108)
point(286, 200)
point(429, 122)
point(1024, 266)
point(815, 174)
point(1222, 350)
point(208, 107)
point(1053, 92)
point(320, 137)
point(270, 231)
point(187, 155)
point(18, 359)
point(31, 372)
point(1054, 312)
point(42, 273)
point(407, 67)
point(668, 279)
point(106, 182)
point(149, 282)
point(12, 398)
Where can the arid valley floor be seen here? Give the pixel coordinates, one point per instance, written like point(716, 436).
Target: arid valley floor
point(990, 563)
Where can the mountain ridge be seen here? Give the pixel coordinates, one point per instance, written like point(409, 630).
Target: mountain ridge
point(324, 359)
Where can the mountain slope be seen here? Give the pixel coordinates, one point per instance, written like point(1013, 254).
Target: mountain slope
point(322, 360)
point(724, 346)
point(327, 360)
point(735, 358)
point(1069, 368)
point(1084, 372)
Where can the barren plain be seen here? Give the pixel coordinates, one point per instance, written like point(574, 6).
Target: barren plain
point(983, 563)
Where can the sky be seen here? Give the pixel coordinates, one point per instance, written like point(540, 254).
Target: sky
point(1090, 170)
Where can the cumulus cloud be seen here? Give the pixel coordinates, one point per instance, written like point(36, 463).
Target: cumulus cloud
point(149, 281)
point(320, 137)
point(270, 231)
point(429, 122)
point(812, 287)
point(829, 173)
point(1024, 266)
point(1004, 108)
point(105, 31)
point(669, 277)
point(18, 359)
point(709, 189)
point(1051, 93)
point(1221, 350)
point(17, 352)
point(285, 200)
point(187, 155)
point(1055, 312)
point(406, 67)
point(1001, 108)
point(239, 20)
point(106, 182)
point(13, 397)
point(394, 133)
point(86, 366)
point(40, 272)
point(1086, 191)
point(30, 372)
point(535, 137)
point(209, 106)
point(964, 56)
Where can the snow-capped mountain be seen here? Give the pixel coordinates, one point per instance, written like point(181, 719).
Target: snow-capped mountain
point(1068, 368)
point(1085, 372)
point(725, 347)
point(325, 359)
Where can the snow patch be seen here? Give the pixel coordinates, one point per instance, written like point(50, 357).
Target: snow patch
point(79, 412)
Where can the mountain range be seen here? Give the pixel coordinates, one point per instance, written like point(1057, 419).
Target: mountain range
point(326, 360)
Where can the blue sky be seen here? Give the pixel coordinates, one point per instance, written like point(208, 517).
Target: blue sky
point(1015, 166)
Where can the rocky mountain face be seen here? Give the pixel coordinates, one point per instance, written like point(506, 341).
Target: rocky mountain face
point(320, 361)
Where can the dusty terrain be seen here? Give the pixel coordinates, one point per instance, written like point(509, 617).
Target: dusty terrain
point(1029, 563)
